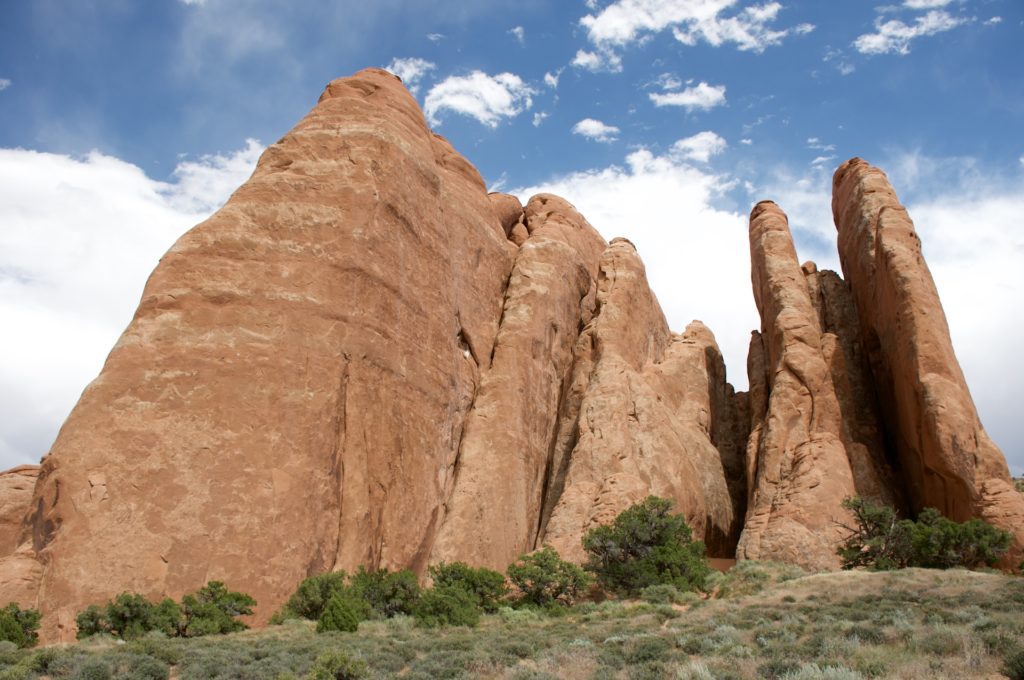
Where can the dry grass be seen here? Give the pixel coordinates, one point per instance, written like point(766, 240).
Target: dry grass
point(770, 621)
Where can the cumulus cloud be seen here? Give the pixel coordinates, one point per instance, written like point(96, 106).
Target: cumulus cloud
point(700, 147)
point(80, 237)
point(602, 60)
point(4, 84)
point(519, 33)
point(539, 117)
point(702, 97)
point(595, 130)
point(410, 70)
point(926, 4)
point(696, 255)
point(478, 95)
point(626, 21)
point(894, 36)
point(551, 79)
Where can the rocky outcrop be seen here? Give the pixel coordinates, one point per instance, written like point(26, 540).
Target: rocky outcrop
point(808, 450)
point(366, 359)
point(948, 461)
point(16, 486)
point(654, 415)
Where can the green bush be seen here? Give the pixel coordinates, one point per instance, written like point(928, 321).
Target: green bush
point(646, 545)
point(543, 578)
point(485, 585)
point(311, 597)
point(879, 540)
point(341, 614)
point(447, 605)
point(1013, 667)
point(337, 665)
point(19, 625)
point(93, 669)
point(213, 609)
point(388, 593)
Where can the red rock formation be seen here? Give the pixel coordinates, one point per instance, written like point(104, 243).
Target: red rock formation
point(291, 393)
point(655, 416)
point(807, 452)
point(948, 460)
point(16, 487)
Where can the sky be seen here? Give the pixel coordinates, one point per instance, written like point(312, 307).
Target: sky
point(123, 124)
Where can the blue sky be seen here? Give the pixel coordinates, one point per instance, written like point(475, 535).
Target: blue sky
point(124, 123)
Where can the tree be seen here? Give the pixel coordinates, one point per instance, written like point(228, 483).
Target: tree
point(879, 540)
point(388, 593)
point(213, 609)
point(485, 585)
point(19, 625)
point(543, 578)
point(340, 614)
point(646, 545)
point(447, 605)
point(312, 595)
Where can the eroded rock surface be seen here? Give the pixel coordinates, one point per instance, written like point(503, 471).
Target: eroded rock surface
point(16, 487)
point(947, 459)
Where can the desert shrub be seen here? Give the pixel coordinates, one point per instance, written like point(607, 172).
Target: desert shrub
point(543, 578)
point(485, 585)
point(447, 605)
point(311, 596)
point(340, 614)
point(388, 593)
point(128, 616)
point(93, 669)
point(213, 609)
point(337, 665)
point(1013, 667)
point(19, 625)
point(646, 545)
point(880, 540)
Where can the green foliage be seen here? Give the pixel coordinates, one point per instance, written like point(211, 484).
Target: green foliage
point(1013, 667)
point(646, 545)
point(543, 578)
point(388, 593)
point(93, 669)
point(447, 605)
point(880, 540)
point(213, 609)
point(19, 625)
point(337, 665)
point(485, 585)
point(341, 614)
point(312, 595)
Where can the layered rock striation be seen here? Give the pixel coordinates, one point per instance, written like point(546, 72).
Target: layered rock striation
point(365, 359)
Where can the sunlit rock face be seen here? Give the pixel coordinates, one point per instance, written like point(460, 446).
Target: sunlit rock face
point(364, 358)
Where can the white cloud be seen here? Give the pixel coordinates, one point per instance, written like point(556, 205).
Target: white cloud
point(926, 4)
point(993, 21)
point(435, 37)
point(410, 70)
point(80, 237)
point(596, 130)
point(551, 79)
point(668, 81)
point(818, 145)
point(746, 142)
point(626, 21)
point(701, 96)
point(700, 147)
point(519, 33)
point(822, 160)
point(478, 95)
point(895, 36)
point(664, 206)
point(4, 84)
point(539, 117)
point(605, 60)
point(194, 2)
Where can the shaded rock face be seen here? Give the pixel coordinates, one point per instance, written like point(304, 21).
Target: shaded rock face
point(947, 459)
point(362, 359)
point(16, 487)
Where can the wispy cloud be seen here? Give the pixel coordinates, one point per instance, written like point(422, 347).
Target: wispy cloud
point(410, 70)
point(698, 97)
point(602, 60)
point(539, 118)
point(596, 130)
point(519, 33)
point(551, 79)
point(486, 98)
point(627, 21)
point(894, 36)
point(4, 84)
